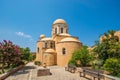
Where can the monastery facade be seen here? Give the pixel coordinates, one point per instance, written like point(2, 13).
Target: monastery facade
point(57, 49)
point(117, 34)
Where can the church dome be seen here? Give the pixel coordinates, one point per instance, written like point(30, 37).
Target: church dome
point(47, 39)
point(64, 34)
point(42, 36)
point(59, 21)
point(50, 51)
point(69, 39)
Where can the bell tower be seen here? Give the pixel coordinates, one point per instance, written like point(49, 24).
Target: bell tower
point(59, 27)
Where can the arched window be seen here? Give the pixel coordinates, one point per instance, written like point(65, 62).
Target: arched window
point(63, 51)
point(38, 49)
point(51, 45)
point(45, 44)
point(55, 30)
point(116, 38)
point(61, 30)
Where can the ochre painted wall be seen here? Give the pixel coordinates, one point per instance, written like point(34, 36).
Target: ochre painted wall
point(63, 59)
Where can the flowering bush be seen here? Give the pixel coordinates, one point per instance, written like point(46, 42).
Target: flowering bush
point(9, 54)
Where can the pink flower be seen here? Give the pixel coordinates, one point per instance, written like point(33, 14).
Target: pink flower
point(4, 52)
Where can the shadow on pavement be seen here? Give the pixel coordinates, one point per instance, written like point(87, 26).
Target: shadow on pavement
point(25, 70)
point(29, 67)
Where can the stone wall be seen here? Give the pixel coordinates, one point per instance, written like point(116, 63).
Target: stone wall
point(63, 59)
point(5, 75)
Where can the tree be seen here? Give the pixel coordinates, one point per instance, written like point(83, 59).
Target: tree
point(27, 55)
point(9, 53)
point(109, 47)
point(108, 51)
point(82, 55)
point(113, 66)
point(101, 50)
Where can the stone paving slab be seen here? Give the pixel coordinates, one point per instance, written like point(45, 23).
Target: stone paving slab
point(29, 72)
point(22, 74)
point(60, 74)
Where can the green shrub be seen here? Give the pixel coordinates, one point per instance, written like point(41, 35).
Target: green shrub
point(23, 62)
point(97, 64)
point(37, 63)
point(93, 66)
point(113, 66)
point(72, 62)
point(83, 55)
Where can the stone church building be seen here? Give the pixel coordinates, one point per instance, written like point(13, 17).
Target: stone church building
point(116, 34)
point(57, 49)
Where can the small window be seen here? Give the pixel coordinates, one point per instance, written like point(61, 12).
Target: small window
point(116, 38)
point(61, 30)
point(55, 30)
point(38, 49)
point(63, 51)
point(51, 45)
point(46, 45)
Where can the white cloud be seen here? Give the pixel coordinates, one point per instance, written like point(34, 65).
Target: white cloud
point(23, 34)
point(25, 40)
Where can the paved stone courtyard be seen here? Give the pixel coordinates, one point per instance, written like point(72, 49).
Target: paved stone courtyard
point(29, 72)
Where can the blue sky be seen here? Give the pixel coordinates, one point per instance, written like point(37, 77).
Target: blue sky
point(22, 21)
